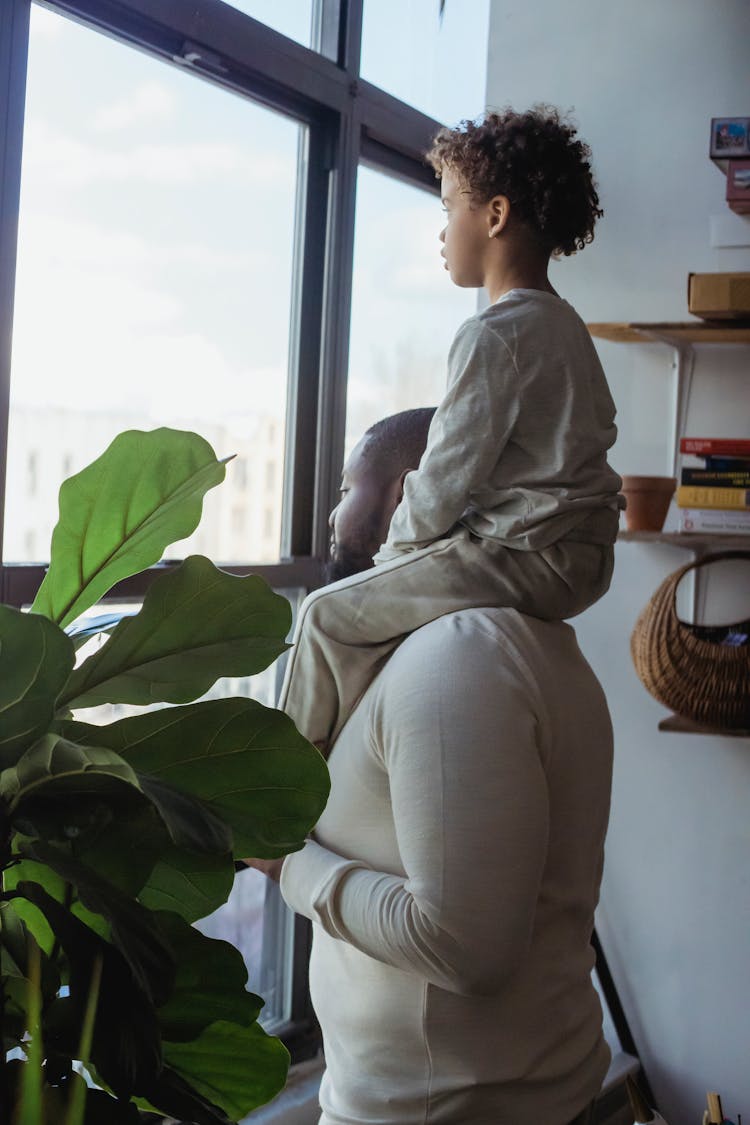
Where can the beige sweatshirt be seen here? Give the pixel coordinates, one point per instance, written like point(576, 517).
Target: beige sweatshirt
point(517, 450)
point(452, 882)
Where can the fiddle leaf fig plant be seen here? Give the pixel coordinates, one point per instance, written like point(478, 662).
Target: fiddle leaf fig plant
point(116, 837)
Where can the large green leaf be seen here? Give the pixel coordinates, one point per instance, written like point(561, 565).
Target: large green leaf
point(27, 871)
point(31, 871)
point(197, 623)
point(191, 824)
point(132, 927)
point(119, 513)
point(54, 764)
point(16, 946)
point(177, 1098)
point(127, 1043)
point(246, 761)
point(190, 885)
point(126, 848)
point(237, 1068)
point(88, 796)
point(210, 983)
point(36, 659)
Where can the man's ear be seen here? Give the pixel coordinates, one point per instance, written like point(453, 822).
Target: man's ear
point(400, 487)
point(498, 214)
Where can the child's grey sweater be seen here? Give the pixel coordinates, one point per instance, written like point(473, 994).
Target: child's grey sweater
point(517, 450)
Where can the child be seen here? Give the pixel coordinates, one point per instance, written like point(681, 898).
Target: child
point(514, 503)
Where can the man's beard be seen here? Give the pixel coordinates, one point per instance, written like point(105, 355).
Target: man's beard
point(345, 563)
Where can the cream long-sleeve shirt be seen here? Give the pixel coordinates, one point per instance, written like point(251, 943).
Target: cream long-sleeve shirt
point(452, 881)
point(517, 449)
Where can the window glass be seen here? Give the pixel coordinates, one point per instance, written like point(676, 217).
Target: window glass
point(256, 920)
point(292, 18)
point(405, 309)
point(436, 64)
point(153, 283)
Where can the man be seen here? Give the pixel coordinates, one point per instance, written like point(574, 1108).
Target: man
point(453, 876)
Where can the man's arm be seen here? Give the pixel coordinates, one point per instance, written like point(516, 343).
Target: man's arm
point(470, 808)
point(471, 427)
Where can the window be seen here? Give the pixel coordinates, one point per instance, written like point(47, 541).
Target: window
point(437, 62)
point(155, 245)
point(405, 310)
point(185, 255)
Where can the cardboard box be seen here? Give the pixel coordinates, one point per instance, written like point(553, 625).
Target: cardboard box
point(738, 186)
point(719, 296)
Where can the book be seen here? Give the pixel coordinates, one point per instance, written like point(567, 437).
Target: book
point(722, 447)
point(716, 478)
point(716, 521)
point(697, 496)
point(727, 464)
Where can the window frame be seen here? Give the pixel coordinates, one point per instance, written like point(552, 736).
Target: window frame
point(349, 122)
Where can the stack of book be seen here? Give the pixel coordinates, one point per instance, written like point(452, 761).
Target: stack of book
point(714, 491)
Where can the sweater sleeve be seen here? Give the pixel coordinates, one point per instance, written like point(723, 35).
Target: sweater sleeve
point(470, 810)
point(470, 428)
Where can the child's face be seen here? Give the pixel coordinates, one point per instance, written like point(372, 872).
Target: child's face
point(466, 234)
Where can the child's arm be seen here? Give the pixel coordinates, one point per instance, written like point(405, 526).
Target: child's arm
point(469, 431)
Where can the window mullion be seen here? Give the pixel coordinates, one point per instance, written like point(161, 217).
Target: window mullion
point(326, 25)
point(350, 40)
point(14, 43)
point(336, 327)
point(305, 339)
point(247, 54)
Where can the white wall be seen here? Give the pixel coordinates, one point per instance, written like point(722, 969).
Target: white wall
point(644, 77)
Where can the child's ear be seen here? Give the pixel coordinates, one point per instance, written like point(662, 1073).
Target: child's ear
point(498, 214)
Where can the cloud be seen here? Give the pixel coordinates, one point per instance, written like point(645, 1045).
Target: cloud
point(150, 102)
point(101, 321)
point(54, 159)
point(99, 250)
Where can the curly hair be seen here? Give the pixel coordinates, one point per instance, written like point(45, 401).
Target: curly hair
point(535, 160)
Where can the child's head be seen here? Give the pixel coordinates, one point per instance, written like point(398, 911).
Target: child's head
point(534, 162)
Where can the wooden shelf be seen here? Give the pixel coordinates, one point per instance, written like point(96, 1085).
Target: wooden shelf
point(685, 332)
point(690, 540)
point(676, 724)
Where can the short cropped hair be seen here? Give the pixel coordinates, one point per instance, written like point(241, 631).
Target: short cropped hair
point(395, 444)
point(534, 159)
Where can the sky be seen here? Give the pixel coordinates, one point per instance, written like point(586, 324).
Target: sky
point(157, 222)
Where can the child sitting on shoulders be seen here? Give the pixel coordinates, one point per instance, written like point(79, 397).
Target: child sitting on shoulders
point(514, 503)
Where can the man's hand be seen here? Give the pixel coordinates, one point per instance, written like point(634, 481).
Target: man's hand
point(269, 867)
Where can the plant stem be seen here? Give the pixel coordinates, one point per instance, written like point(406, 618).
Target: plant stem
point(5, 861)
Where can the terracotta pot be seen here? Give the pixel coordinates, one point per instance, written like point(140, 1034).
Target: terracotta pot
point(648, 501)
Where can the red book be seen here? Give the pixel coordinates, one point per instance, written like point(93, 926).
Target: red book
point(726, 447)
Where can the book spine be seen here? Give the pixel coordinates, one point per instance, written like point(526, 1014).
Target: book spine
point(714, 520)
point(714, 478)
point(693, 496)
point(726, 464)
point(727, 447)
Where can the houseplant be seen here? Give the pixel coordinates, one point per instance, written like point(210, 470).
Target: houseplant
point(115, 838)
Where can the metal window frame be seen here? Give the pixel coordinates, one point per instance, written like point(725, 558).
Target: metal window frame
point(349, 122)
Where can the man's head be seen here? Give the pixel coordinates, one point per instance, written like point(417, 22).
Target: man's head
point(523, 175)
point(372, 485)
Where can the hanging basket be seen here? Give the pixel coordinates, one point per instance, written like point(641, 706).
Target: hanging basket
point(701, 680)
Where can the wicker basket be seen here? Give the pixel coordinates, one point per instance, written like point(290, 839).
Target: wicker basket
point(698, 679)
